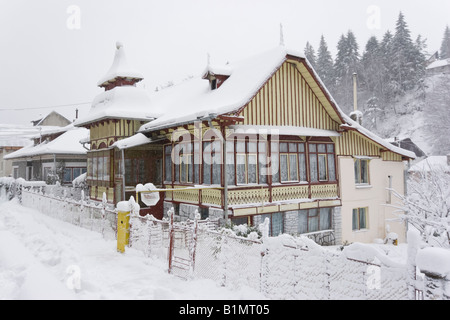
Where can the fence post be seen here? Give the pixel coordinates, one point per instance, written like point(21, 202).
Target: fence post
point(434, 262)
point(171, 244)
point(194, 242)
point(123, 225)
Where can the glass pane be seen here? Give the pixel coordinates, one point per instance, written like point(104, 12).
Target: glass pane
point(94, 168)
point(283, 147)
point(230, 169)
point(262, 146)
point(217, 173)
point(284, 167)
point(292, 147)
point(362, 218)
point(128, 172)
point(177, 172)
point(230, 146)
point(322, 167)
point(106, 169)
point(262, 168)
point(277, 224)
point(206, 173)
point(252, 147)
point(293, 170)
point(313, 167)
point(325, 218)
point(76, 172)
point(330, 148)
point(364, 171)
point(183, 168)
point(252, 171)
point(240, 169)
point(313, 220)
point(142, 172)
point(100, 168)
point(321, 148)
point(190, 168)
point(357, 171)
point(302, 164)
point(240, 146)
point(301, 147)
point(312, 147)
point(331, 168)
point(168, 168)
point(275, 168)
point(355, 219)
point(303, 221)
point(196, 173)
point(274, 147)
point(168, 149)
point(67, 175)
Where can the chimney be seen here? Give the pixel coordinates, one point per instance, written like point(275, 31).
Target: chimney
point(76, 113)
point(355, 115)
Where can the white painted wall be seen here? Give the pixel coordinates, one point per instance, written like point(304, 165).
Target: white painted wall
point(374, 196)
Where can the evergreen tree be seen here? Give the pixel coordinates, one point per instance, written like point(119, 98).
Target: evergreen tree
point(445, 46)
point(371, 62)
point(406, 61)
point(347, 62)
point(310, 54)
point(324, 65)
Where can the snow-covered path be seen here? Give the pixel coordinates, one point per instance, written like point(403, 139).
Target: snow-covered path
point(44, 258)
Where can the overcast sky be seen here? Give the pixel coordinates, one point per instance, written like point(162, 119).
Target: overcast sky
point(54, 52)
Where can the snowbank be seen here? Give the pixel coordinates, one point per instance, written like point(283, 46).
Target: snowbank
point(435, 261)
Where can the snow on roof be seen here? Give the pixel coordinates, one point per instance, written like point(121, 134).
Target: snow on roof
point(193, 99)
point(67, 143)
point(123, 102)
point(133, 141)
point(285, 130)
point(120, 67)
point(19, 135)
point(430, 164)
point(439, 63)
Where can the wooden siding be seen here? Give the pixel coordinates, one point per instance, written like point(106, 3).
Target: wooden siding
point(287, 100)
point(353, 143)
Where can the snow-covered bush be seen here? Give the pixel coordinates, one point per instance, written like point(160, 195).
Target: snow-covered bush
point(427, 205)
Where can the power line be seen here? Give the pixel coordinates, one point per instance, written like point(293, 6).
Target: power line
point(45, 107)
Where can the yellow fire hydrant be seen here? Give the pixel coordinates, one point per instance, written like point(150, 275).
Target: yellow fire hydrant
point(123, 225)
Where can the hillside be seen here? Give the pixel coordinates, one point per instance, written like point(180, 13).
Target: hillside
point(414, 116)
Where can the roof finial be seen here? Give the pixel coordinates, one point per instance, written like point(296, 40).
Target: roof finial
point(119, 45)
point(281, 35)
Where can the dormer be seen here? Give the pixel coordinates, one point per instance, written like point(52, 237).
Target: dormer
point(217, 75)
point(120, 73)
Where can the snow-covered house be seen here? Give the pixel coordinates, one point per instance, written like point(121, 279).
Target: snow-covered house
point(289, 153)
point(52, 119)
point(438, 67)
point(55, 155)
point(431, 163)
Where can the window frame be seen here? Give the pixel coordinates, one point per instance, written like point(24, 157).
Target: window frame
point(317, 154)
point(359, 174)
point(357, 212)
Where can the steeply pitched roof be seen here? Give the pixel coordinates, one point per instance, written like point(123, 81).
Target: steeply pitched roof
point(193, 99)
point(119, 67)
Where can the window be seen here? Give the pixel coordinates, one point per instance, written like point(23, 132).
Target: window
point(359, 219)
point(212, 163)
point(292, 161)
point(99, 166)
point(321, 162)
point(168, 163)
point(312, 220)
point(276, 225)
point(70, 173)
point(247, 162)
point(361, 171)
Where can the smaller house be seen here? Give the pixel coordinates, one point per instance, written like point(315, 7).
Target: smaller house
point(408, 144)
point(432, 163)
point(55, 155)
point(438, 67)
point(52, 119)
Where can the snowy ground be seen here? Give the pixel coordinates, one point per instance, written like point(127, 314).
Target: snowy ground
point(44, 258)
